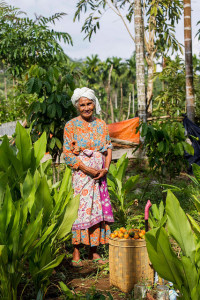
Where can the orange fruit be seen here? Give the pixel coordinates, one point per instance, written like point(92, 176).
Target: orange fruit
point(132, 234)
point(136, 237)
point(120, 235)
point(116, 232)
point(112, 235)
point(126, 235)
point(123, 230)
point(143, 231)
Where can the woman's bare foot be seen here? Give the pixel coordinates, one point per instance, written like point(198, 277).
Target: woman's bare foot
point(76, 262)
point(93, 255)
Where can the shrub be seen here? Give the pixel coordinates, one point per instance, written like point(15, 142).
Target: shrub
point(35, 217)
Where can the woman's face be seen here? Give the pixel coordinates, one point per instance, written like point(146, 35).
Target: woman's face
point(86, 108)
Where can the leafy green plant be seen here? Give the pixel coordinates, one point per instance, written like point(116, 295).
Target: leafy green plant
point(119, 188)
point(165, 144)
point(182, 270)
point(171, 99)
point(26, 42)
point(196, 199)
point(54, 108)
point(157, 216)
point(35, 217)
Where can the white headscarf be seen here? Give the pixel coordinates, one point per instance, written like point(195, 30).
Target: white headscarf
point(87, 93)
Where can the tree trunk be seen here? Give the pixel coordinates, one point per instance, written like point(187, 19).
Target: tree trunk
point(111, 110)
point(121, 102)
point(129, 105)
point(150, 62)
point(139, 49)
point(133, 98)
point(116, 104)
point(190, 103)
point(115, 99)
point(5, 88)
point(108, 91)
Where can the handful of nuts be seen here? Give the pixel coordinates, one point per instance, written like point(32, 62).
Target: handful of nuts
point(123, 233)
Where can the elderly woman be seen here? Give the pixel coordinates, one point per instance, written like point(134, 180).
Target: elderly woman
point(88, 151)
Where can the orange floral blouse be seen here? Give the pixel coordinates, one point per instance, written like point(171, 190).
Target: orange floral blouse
point(80, 135)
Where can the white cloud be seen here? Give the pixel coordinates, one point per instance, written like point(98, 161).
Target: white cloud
point(111, 40)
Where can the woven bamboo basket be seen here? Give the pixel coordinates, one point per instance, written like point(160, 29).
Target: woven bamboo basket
point(129, 263)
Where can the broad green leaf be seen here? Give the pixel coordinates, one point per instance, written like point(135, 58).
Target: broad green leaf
point(179, 226)
point(52, 143)
point(9, 158)
point(24, 145)
point(194, 180)
point(121, 173)
point(58, 143)
point(45, 235)
point(144, 129)
point(66, 183)
point(7, 207)
point(121, 160)
point(3, 254)
point(15, 233)
point(27, 185)
point(40, 148)
point(51, 110)
point(68, 293)
point(171, 187)
point(30, 84)
point(45, 166)
point(53, 264)
point(188, 148)
point(111, 183)
point(161, 210)
point(43, 200)
point(162, 256)
point(70, 216)
point(196, 202)
point(130, 183)
point(195, 226)
point(179, 148)
point(112, 170)
point(161, 146)
point(40, 295)
point(3, 184)
point(155, 211)
point(31, 233)
point(191, 277)
point(196, 171)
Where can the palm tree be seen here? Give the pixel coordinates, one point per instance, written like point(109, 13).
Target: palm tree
point(131, 64)
point(139, 49)
point(190, 105)
point(92, 69)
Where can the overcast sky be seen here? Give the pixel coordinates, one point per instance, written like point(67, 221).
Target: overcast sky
point(111, 40)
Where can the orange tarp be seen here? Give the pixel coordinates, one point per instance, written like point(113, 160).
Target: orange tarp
point(125, 130)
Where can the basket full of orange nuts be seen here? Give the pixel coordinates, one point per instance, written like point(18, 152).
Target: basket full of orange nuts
point(128, 258)
point(133, 233)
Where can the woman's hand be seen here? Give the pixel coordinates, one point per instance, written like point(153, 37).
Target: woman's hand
point(88, 170)
point(102, 173)
point(93, 172)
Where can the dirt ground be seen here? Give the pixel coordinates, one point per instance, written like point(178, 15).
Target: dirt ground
point(90, 277)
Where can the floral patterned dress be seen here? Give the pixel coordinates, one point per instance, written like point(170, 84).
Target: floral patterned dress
point(87, 142)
